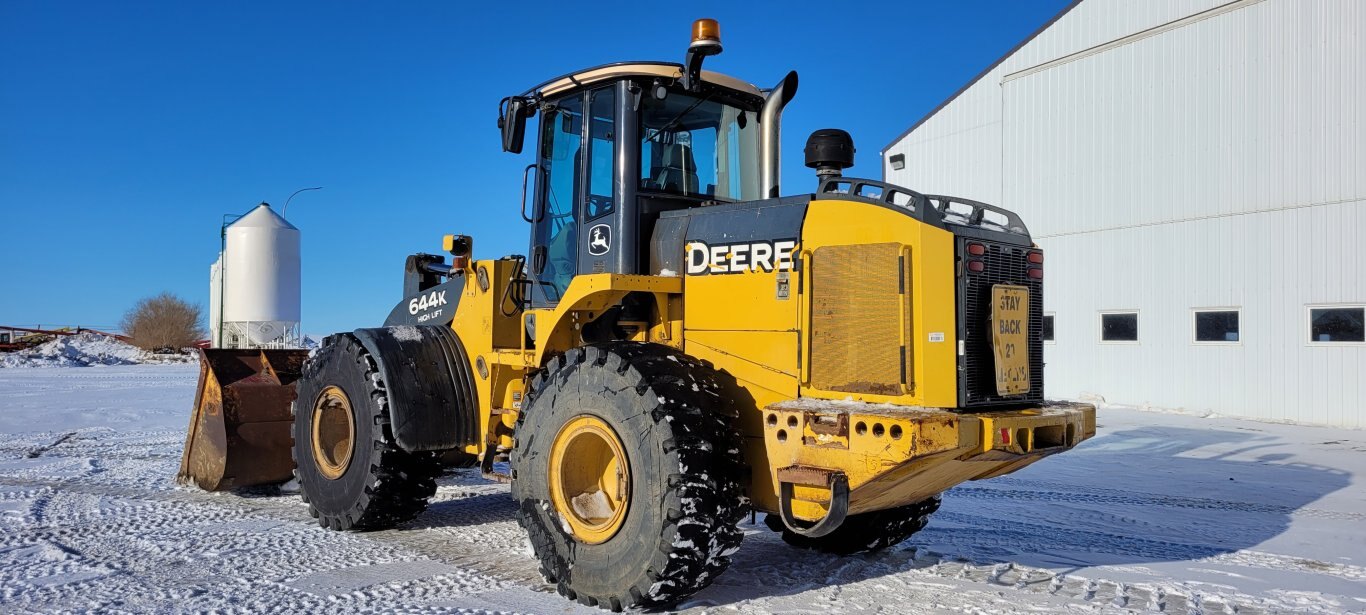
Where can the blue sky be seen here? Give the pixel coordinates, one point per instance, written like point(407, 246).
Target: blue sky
point(127, 129)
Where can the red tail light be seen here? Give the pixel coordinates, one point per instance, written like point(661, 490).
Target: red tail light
point(976, 249)
point(1036, 273)
point(976, 266)
point(1036, 258)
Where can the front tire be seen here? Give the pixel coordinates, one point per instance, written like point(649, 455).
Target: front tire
point(351, 473)
point(626, 474)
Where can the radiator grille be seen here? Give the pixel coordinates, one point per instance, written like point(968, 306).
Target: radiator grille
point(1005, 264)
point(857, 319)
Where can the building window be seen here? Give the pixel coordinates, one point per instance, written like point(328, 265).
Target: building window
point(1216, 326)
point(1047, 327)
point(1119, 327)
point(1337, 324)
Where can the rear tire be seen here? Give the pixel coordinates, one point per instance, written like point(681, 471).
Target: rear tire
point(663, 411)
point(863, 533)
point(368, 483)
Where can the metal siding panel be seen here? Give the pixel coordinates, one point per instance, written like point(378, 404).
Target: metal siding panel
point(1096, 22)
point(1215, 164)
point(1272, 374)
point(958, 150)
point(1149, 124)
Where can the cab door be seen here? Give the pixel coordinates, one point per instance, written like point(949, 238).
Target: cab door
point(577, 203)
point(554, 235)
point(600, 247)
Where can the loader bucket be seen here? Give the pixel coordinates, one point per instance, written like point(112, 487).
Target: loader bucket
point(240, 432)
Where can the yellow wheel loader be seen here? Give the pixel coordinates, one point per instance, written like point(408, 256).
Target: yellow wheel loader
point(684, 345)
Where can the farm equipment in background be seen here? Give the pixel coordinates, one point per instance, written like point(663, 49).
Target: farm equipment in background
point(11, 341)
point(683, 345)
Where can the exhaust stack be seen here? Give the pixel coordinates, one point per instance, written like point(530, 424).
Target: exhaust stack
point(770, 140)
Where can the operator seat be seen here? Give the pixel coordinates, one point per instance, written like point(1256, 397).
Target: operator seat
point(677, 171)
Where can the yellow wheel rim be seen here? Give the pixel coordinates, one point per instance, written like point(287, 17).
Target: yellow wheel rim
point(334, 432)
point(590, 479)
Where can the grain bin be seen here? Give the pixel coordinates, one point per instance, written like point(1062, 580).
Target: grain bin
point(258, 275)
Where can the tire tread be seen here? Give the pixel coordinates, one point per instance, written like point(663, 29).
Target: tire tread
point(705, 495)
point(399, 483)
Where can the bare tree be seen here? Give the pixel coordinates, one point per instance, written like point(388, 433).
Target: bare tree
point(164, 322)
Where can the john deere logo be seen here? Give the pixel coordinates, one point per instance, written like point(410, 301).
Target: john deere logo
point(762, 255)
point(599, 239)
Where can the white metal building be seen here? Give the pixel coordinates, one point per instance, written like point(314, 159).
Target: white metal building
point(1194, 169)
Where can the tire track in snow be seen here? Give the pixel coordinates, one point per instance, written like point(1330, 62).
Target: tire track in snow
point(778, 574)
point(163, 515)
point(141, 537)
point(1058, 492)
point(249, 552)
point(1023, 536)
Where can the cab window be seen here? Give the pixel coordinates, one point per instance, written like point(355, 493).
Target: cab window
point(698, 147)
point(555, 251)
point(602, 150)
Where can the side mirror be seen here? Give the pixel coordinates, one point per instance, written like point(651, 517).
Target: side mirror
point(512, 115)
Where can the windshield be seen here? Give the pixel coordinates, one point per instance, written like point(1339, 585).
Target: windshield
point(699, 147)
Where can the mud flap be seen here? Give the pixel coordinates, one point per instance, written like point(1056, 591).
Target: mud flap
point(239, 432)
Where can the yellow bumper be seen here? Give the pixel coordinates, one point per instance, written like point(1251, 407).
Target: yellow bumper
point(897, 455)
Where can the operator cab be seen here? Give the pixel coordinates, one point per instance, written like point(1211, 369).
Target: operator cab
point(620, 143)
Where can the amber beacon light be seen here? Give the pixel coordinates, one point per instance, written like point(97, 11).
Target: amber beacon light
point(706, 32)
point(706, 41)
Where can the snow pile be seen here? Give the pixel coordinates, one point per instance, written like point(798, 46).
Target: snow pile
point(82, 350)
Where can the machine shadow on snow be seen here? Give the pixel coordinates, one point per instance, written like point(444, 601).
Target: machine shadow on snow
point(470, 510)
point(1140, 495)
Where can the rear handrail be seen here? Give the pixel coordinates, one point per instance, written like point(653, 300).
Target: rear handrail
point(882, 193)
point(943, 203)
point(934, 209)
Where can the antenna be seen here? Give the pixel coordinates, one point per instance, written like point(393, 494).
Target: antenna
point(285, 209)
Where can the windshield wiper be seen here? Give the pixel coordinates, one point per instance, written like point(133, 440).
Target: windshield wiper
point(659, 131)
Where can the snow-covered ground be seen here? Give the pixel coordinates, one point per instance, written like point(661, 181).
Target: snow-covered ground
point(1159, 512)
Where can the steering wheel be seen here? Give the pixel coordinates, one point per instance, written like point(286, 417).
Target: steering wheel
point(557, 220)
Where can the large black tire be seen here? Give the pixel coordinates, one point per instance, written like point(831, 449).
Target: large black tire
point(686, 498)
point(381, 485)
point(863, 533)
